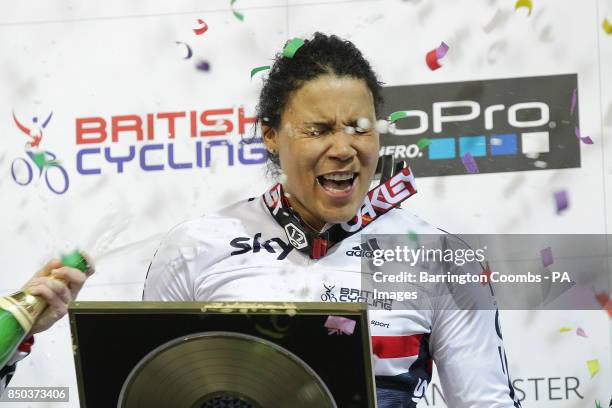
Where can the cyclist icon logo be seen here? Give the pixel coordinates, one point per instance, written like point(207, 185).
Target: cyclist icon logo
point(328, 296)
point(22, 171)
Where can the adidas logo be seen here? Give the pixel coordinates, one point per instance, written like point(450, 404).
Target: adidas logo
point(365, 250)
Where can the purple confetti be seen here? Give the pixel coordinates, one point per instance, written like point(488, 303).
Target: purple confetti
point(203, 66)
point(547, 256)
point(580, 332)
point(574, 95)
point(585, 139)
point(469, 163)
point(339, 325)
point(442, 50)
point(561, 200)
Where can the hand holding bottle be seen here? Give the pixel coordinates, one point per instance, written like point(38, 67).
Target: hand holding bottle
point(58, 285)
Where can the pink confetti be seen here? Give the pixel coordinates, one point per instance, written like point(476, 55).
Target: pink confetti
point(339, 325)
point(585, 139)
point(574, 96)
point(442, 50)
point(547, 257)
point(433, 56)
point(581, 332)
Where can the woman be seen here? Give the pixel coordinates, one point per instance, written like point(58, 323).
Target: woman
point(317, 112)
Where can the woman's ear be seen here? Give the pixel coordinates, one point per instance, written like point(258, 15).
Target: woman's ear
point(270, 138)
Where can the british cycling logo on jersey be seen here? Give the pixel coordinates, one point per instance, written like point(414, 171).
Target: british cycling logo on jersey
point(44, 161)
point(344, 294)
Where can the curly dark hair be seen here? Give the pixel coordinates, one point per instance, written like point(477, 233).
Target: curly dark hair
point(320, 55)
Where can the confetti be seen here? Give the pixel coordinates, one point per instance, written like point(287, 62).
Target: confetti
point(580, 332)
point(189, 51)
point(573, 101)
point(382, 126)
point(203, 66)
point(433, 56)
point(585, 139)
point(565, 330)
point(547, 256)
point(605, 301)
point(423, 142)
point(597, 404)
point(292, 47)
point(524, 3)
point(486, 272)
point(607, 27)
point(339, 325)
point(496, 141)
point(413, 236)
point(469, 163)
point(561, 200)
point(349, 130)
point(593, 366)
point(237, 14)
point(259, 69)
point(540, 164)
point(395, 116)
point(202, 29)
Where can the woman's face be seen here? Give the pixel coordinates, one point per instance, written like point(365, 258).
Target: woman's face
point(327, 159)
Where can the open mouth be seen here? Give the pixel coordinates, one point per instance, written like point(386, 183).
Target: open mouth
point(337, 182)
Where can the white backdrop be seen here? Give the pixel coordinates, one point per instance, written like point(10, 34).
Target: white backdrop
point(93, 59)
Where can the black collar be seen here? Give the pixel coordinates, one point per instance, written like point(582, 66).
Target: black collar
point(387, 195)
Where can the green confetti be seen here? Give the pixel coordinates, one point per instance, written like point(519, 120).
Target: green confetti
point(75, 259)
point(423, 143)
point(238, 15)
point(597, 404)
point(258, 69)
point(413, 236)
point(292, 47)
point(397, 116)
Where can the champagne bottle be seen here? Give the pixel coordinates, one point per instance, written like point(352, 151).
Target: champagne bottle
point(19, 311)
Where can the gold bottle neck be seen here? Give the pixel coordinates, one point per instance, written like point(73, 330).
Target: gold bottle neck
point(24, 307)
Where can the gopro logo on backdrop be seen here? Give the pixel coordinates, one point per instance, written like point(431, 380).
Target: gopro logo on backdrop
point(505, 124)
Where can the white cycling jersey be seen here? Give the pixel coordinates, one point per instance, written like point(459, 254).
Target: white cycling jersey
point(241, 253)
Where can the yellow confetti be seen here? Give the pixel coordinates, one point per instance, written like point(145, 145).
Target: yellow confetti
point(593, 366)
point(564, 330)
point(607, 26)
point(524, 3)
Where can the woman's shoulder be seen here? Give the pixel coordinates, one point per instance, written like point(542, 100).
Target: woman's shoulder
point(403, 221)
point(225, 221)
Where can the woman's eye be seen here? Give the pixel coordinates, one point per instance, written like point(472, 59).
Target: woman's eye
point(316, 131)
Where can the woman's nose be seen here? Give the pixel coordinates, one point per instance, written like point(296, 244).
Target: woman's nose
point(342, 146)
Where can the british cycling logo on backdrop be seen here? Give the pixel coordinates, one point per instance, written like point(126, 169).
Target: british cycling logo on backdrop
point(23, 168)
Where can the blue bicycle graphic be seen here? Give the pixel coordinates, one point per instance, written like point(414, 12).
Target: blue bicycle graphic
point(56, 176)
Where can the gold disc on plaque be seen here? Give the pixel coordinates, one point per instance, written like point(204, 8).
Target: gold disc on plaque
point(223, 370)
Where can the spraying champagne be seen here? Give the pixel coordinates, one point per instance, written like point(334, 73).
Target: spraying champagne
point(19, 311)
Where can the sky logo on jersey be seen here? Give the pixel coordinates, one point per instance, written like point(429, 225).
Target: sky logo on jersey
point(364, 250)
point(504, 124)
point(273, 246)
